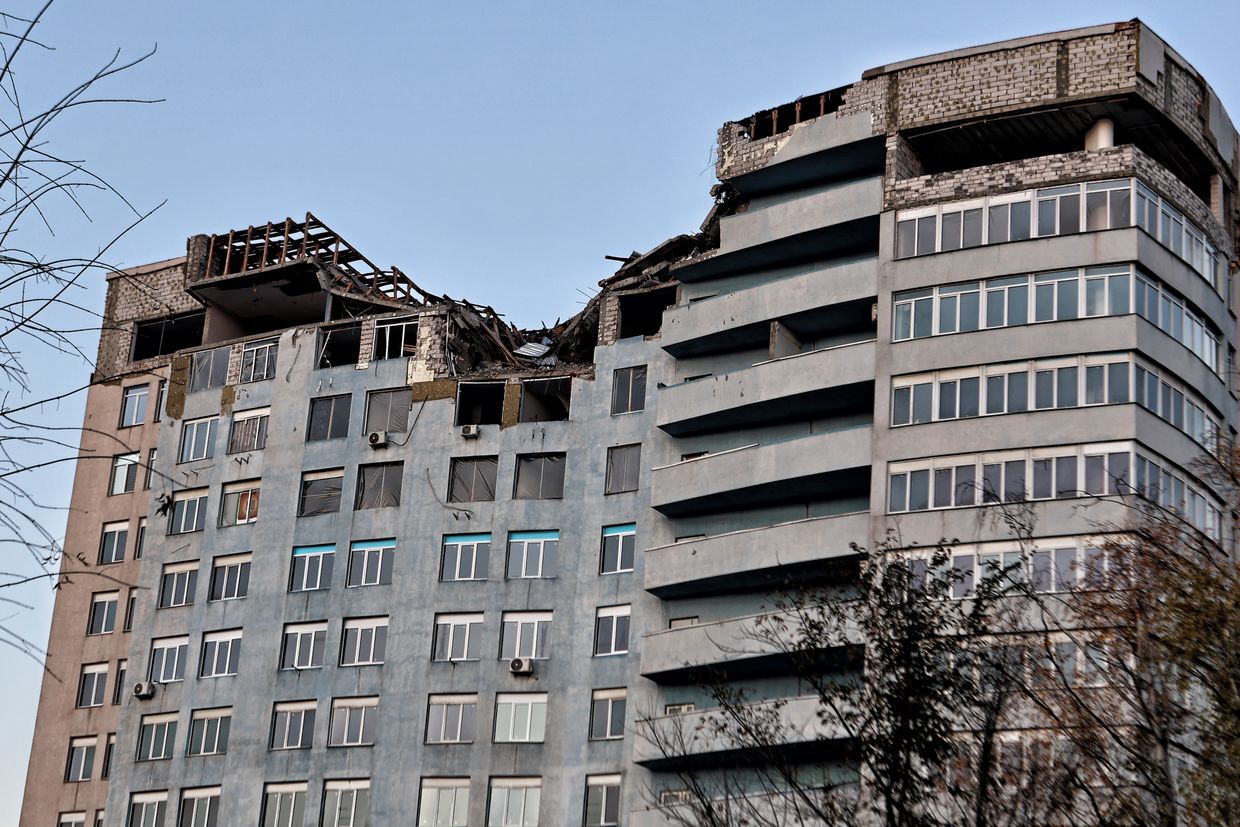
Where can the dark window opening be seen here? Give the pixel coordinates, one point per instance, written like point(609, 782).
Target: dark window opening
point(389, 410)
point(545, 400)
point(539, 477)
point(339, 345)
point(473, 480)
point(161, 337)
point(208, 369)
point(320, 493)
point(396, 339)
point(378, 486)
point(479, 403)
point(329, 418)
point(641, 314)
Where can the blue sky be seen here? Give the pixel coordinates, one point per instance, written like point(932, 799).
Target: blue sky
point(492, 150)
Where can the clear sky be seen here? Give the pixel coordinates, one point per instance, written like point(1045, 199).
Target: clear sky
point(492, 150)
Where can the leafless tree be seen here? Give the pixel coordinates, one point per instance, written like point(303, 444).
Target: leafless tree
point(44, 195)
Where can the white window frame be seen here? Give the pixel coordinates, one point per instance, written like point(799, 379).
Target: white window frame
point(499, 804)
point(344, 713)
point(258, 360)
point(198, 439)
point(289, 799)
point(431, 803)
point(220, 567)
point(459, 727)
point(460, 557)
point(226, 644)
point(97, 682)
point(124, 477)
point(239, 503)
point(336, 793)
point(189, 511)
point(80, 764)
point(525, 635)
point(377, 559)
point(322, 569)
point(158, 801)
point(385, 329)
point(605, 700)
point(162, 743)
point(609, 785)
point(520, 718)
point(254, 436)
point(625, 534)
point(369, 643)
point(184, 584)
point(118, 542)
point(614, 613)
point(107, 624)
point(457, 626)
point(305, 729)
point(200, 807)
point(179, 647)
point(523, 545)
point(305, 638)
point(214, 736)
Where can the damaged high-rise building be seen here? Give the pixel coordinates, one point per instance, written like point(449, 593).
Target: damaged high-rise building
point(346, 552)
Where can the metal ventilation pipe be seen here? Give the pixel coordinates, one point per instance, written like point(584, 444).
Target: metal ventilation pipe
point(1101, 135)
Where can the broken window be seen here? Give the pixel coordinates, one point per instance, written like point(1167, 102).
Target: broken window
point(628, 390)
point(320, 492)
point(396, 338)
point(641, 314)
point(479, 403)
point(339, 345)
point(161, 337)
point(473, 479)
point(208, 369)
point(539, 477)
point(378, 486)
point(329, 418)
point(623, 464)
point(389, 410)
point(258, 360)
point(545, 400)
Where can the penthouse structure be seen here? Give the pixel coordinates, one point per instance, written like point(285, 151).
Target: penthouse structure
point(409, 564)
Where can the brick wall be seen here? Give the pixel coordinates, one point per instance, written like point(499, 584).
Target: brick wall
point(134, 296)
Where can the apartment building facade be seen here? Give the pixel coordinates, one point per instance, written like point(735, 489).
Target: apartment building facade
point(409, 565)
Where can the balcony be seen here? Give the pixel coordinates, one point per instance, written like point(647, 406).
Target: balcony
point(820, 383)
point(816, 467)
point(755, 558)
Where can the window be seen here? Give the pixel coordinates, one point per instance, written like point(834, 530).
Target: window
point(99, 819)
point(473, 479)
point(611, 631)
point(284, 805)
point(457, 637)
point(444, 802)
point(240, 503)
point(149, 477)
point(365, 641)
point(396, 338)
point(147, 809)
point(130, 603)
point(109, 748)
point(628, 390)
point(607, 709)
point(292, 725)
point(103, 613)
point(480, 403)
point(118, 690)
point(960, 227)
point(303, 645)
point(81, 759)
point(525, 635)
point(451, 719)
point(200, 807)
point(140, 540)
point(370, 563)
point(258, 360)
point(165, 336)
point(378, 486)
point(623, 465)
point(112, 544)
point(189, 511)
point(545, 400)
point(74, 820)
point(133, 405)
point(198, 439)
point(539, 477)
point(208, 369)
point(220, 653)
point(178, 584)
point(354, 722)
point(230, 577)
point(531, 554)
point(602, 800)
point(249, 430)
point(618, 549)
point(465, 557)
point(160, 396)
point(168, 656)
point(208, 731)
point(345, 803)
point(320, 492)
point(329, 418)
point(514, 802)
point(312, 568)
point(124, 474)
point(520, 718)
point(157, 737)
point(389, 410)
point(92, 685)
point(340, 344)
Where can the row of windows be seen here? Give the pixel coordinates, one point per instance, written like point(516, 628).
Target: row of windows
point(512, 801)
point(1048, 565)
point(1056, 296)
point(457, 637)
point(1065, 382)
point(1048, 473)
point(1054, 211)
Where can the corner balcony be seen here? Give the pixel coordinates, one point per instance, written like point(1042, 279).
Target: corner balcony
point(688, 740)
point(754, 558)
point(815, 467)
point(820, 383)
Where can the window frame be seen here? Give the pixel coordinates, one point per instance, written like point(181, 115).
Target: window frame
point(613, 614)
point(625, 398)
point(546, 488)
point(194, 449)
point(135, 415)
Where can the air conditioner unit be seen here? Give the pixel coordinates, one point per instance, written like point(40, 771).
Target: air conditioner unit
point(377, 439)
point(521, 666)
point(471, 431)
point(144, 689)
